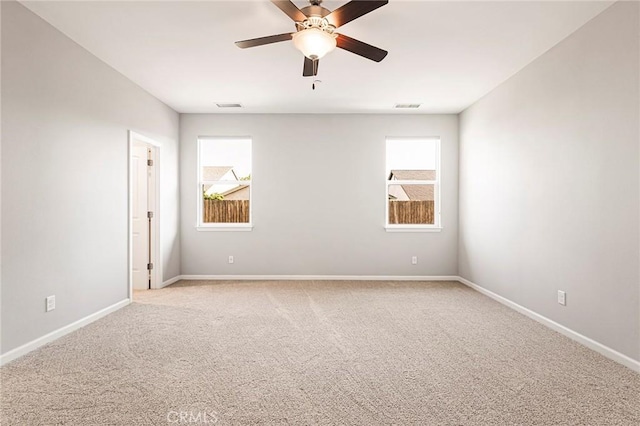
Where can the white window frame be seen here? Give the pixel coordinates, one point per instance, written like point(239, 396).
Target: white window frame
point(202, 226)
point(437, 183)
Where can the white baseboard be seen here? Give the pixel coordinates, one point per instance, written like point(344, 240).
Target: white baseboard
point(171, 281)
point(34, 344)
point(323, 277)
point(573, 335)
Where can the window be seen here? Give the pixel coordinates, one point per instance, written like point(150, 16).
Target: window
point(224, 184)
point(413, 184)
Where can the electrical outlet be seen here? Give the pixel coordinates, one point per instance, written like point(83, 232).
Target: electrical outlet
point(230, 259)
point(414, 260)
point(562, 298)
point(50, 303)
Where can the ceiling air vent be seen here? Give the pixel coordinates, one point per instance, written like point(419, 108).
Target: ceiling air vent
point(229, 105)
point(407, 106)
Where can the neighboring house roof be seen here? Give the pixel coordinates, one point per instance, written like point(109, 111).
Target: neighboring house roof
point(412, 175)
point(419, 192)
point(240, 192)
point(396, 192)
point(412, 192)
point(218, 172)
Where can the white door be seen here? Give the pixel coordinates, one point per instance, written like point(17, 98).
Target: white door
point(140, 221)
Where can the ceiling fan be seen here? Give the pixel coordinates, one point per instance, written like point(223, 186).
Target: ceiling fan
point(315, 34)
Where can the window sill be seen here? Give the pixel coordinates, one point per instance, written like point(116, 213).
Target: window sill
point(411, 228)
point(225, 228)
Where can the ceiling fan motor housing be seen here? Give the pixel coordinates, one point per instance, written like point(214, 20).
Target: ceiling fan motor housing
point(316, 22)
point(315, 10)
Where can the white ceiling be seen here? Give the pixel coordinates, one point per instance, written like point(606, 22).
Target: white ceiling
point(443, 55)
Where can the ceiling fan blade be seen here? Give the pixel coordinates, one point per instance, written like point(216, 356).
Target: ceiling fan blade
point(360, 48)
point(290, 9)
point(310, 68)
point(352, 10)
point(263, 40)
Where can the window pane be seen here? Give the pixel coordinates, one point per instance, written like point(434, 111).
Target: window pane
point(412, 159)
point(221, 204)
point(412, 204)
point(225, 175)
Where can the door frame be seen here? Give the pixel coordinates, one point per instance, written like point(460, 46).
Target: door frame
point(156, 253)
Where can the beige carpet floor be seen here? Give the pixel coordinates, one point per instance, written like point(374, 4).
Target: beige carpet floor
point(326, 353)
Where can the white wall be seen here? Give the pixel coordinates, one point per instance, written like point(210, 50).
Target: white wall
point(318, 197)
point(549, 183)
point(65, 117)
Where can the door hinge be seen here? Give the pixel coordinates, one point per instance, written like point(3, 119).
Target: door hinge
point(149, 266)
point(149, 162)
point(150, 215)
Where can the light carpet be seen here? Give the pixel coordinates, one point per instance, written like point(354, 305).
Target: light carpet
point(317, 352)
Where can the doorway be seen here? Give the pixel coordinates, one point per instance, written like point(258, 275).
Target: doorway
point(144, 220)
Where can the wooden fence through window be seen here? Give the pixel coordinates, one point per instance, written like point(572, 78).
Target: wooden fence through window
point(225, 211)
point(411, 212)
point(237, 211)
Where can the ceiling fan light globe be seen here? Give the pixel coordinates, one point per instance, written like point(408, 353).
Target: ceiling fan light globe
point(314, 43)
